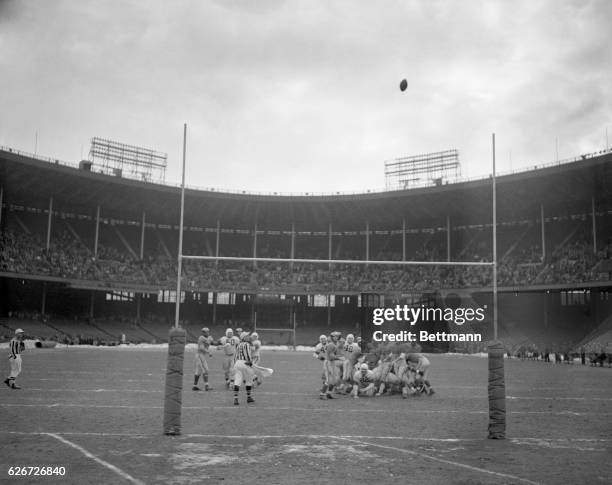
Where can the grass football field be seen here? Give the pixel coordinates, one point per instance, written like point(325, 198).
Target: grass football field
point(98, 413)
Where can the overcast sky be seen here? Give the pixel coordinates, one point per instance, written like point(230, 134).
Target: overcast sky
point(303, 96)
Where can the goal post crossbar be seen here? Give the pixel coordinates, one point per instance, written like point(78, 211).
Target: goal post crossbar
point(338, 261)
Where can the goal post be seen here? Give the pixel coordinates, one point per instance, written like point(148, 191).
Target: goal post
point(173, 389)
point(287, 322)
point(274, 320)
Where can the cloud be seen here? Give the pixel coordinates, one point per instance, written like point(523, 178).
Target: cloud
point(301, 95)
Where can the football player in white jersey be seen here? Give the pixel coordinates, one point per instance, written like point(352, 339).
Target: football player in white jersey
point(319, 350)
point(352, 351)
point(256, 355)
point(201, 366)
point(363, 382)
point(228, 344)
point(255, 347)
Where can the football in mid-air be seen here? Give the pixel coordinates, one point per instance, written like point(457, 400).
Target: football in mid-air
point(403, 85)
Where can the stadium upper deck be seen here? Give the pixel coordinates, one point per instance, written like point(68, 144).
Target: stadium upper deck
point(562, 189)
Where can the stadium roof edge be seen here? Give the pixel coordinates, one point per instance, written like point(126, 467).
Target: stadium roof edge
point(562, 188)
point(58, 164)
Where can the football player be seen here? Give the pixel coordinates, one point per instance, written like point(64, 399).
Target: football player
point(256, 355)
point(421, 385)
point(331, 369)
point(352, 351)
point(340, 358)
point(16, 346)
point(256, 347)
point(228, 344)
point(419, 362)
point(319, 353)
point(420, 365)
point(337, 339)
point(363, 382)
point(201, 366)
point(319, 350)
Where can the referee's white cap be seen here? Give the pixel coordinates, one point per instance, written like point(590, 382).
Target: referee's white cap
point(18, 331)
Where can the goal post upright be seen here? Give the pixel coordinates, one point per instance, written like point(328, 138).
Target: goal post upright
point(294, 328)
point(180, 243)
point(176, 337)
point(494, 183)
point(496, 380)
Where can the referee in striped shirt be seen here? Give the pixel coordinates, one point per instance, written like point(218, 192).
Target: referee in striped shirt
point(243, 362)
point(16, 346)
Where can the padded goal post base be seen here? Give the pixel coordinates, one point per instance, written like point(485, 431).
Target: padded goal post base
point(497, 392)
point(174, 381)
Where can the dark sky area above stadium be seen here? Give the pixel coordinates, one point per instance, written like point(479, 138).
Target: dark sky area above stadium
point(300, 96)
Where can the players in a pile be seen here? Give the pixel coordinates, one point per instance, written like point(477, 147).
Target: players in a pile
point(385, 371)
point(201, 365)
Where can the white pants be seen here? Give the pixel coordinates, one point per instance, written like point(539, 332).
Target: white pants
point(228, 368)
point(15, 366)
point(333, 372)
point(243, 373)
point(423, 366)
point(364, 391)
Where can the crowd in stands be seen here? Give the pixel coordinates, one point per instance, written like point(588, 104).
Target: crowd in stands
point(592, 357)
point(40, 328)
point(25, 253)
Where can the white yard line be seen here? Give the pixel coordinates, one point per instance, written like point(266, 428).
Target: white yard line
point(441, 460)
point(276, 393)
point(291, 409)
point(304, 436)
point(106, 464)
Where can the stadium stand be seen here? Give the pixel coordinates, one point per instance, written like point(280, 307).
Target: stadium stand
point(101, 280)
